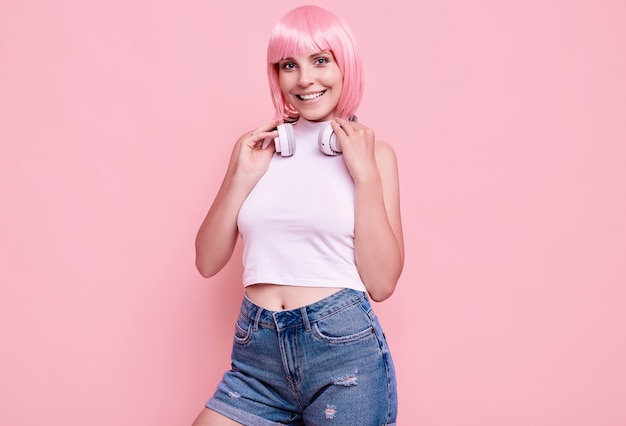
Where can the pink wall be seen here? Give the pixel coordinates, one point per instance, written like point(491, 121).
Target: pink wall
point(116, 121)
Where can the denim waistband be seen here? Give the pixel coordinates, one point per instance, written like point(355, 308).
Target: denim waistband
point(305, 315)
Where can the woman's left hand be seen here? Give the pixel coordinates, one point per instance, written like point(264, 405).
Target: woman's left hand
point(378, 241)
point(358, 147)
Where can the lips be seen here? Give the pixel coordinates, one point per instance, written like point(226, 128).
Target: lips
point(310, 96)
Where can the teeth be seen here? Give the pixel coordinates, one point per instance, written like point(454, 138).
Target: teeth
point(311, 96)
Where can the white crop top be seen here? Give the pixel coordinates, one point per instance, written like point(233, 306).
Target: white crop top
point(297, 223)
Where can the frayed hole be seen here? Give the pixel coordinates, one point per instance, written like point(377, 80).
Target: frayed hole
point(330, 412)
point(347, 380)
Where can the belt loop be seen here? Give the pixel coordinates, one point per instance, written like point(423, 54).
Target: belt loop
point(305, 319)
point(257, 318)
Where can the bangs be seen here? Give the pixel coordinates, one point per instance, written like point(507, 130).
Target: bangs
point(307, 30)
point(289, 41)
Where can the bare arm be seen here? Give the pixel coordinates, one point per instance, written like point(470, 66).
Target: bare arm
point(379, 245)
point(218, 232)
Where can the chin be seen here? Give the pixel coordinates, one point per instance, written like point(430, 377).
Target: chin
point(317, 117)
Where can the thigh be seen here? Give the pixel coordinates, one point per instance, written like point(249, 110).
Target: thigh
point(360, 387)
point(255, 390)
point(209, 417)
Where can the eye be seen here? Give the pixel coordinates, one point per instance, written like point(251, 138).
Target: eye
point(287, 65)
point(321, 60)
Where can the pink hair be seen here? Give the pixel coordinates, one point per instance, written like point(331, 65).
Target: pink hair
point(310, 29)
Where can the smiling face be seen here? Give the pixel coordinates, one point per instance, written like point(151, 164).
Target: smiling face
point(311, 84)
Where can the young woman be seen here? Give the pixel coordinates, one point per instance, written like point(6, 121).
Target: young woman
point(321, 235)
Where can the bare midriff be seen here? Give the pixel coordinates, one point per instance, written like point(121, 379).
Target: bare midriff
point(284, 297)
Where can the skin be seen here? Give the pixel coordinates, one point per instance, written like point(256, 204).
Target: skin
point(311, 75)
point(379, 246)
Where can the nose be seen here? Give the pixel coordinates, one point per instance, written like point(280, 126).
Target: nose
point(306, 77)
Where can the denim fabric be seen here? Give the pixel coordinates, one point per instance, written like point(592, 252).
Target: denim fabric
point(324, 364)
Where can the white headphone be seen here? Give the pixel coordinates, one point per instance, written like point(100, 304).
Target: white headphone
point(285, 143)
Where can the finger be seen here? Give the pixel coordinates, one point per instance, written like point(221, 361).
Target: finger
point(347, 126)
point(337, 127)
point(256, 136)
point(269, 137)
point(268, 134)
point(267, 127)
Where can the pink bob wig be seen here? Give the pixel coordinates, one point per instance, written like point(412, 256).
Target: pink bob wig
point(310, 29)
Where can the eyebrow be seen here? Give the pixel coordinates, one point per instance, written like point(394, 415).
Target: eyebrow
point(321, 52)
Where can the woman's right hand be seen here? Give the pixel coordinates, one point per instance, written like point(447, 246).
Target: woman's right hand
point(218, 233)
point(251, 158)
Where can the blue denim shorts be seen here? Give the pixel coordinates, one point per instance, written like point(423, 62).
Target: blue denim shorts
point(322, 364)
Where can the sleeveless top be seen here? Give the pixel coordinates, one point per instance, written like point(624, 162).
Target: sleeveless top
point(297, 223)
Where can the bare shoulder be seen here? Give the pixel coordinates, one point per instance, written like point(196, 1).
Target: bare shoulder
point(385, 155)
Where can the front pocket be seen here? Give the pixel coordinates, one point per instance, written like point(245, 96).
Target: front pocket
point(348, 325)
point(243, 330)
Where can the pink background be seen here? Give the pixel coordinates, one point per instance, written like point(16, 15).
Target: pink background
point(509, 120)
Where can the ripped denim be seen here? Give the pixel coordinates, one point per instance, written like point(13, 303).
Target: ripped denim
point(322, 364)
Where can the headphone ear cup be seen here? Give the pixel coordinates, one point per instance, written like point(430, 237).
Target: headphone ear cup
point(328, 141)
point(285, 143)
